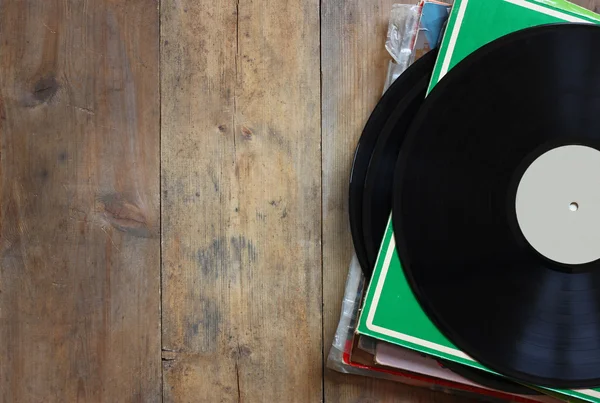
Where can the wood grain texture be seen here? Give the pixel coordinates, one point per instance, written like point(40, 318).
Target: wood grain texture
point(342, 388)
point(354, 67)
point(593, 5)
point(79, 201)
point(255, 163)
point(241, 211)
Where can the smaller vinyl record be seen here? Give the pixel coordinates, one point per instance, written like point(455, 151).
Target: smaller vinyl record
point(364, 150)
point(379, 181)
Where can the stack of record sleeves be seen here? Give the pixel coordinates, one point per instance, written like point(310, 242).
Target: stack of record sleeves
point(474, 206)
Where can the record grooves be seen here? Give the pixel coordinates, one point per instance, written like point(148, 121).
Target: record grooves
point(510, 274)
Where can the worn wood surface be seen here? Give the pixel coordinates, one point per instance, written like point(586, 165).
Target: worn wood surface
point(241, 191)
point(593, 5)
point(79, 201)
point(217, 135)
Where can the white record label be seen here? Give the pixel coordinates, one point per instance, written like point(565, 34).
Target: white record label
point(558, 204)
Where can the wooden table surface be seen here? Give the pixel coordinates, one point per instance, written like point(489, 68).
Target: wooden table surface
point(173, 213)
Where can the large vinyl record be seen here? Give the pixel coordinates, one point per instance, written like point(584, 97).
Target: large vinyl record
point(497, 206)
point(364, 150)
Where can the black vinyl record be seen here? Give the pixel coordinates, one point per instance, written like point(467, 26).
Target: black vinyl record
point(378, 188)
point(379, 180)
point(510, 137)
point(366, 145)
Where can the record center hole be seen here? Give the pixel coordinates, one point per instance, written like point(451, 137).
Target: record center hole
point(573, 206)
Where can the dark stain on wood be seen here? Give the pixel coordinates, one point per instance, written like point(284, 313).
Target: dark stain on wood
point(243, 248)
point(239, 244)
point(252, 252)
point(209, 258)
point(45, 89)
point(44, 174)
point(208, 328)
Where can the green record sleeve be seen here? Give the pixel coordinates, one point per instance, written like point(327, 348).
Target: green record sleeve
point(474, 23)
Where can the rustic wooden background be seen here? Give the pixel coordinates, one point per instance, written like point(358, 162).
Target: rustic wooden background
point(173, 180)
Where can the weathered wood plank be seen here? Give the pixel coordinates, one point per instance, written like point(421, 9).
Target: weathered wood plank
point(79, 201)
point(241, 201)
point(354, 66)
point(593, 5)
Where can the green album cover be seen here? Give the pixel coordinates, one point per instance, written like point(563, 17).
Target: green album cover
point(391, 312)
point(474, 23)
